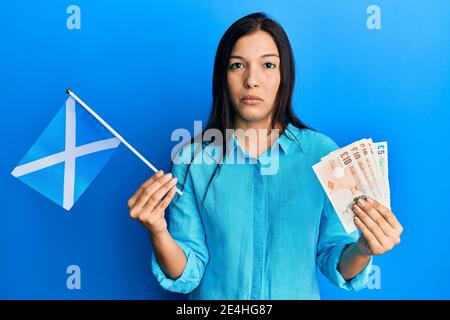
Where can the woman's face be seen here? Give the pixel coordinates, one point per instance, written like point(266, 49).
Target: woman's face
point(253, 76)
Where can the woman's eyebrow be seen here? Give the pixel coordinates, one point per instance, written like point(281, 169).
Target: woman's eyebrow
point(263, 56)
point(270, 55)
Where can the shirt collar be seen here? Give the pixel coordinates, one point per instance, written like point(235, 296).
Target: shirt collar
point(288, 139)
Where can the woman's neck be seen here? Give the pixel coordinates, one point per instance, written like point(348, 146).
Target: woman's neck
point(256, 136)
point(243, 124)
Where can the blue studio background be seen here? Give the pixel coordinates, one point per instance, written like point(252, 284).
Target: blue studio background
point(146, 67)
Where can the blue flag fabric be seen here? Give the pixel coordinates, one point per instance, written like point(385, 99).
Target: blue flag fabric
point(67, 156)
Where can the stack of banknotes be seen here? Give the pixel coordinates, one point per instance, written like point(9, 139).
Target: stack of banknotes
point(359, 169)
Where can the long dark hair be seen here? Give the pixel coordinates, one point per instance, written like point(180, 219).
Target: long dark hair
point(223, 113)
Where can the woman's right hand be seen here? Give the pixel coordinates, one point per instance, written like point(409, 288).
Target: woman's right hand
point(147, 205)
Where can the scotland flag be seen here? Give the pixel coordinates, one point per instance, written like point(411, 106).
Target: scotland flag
point(67, 156)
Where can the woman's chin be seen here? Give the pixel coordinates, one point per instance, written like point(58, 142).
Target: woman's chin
point(253, 115)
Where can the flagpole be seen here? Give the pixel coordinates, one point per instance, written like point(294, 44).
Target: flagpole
point(114, 132)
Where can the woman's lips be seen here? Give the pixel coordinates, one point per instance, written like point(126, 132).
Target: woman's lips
point(251, 100)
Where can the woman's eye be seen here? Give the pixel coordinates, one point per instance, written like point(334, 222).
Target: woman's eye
point(236, 66)
point(269, 65)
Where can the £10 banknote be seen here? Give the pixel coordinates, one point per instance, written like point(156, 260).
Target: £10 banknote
point(361, 168)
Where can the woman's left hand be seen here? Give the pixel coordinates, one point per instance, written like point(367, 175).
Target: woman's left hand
point(380, 229)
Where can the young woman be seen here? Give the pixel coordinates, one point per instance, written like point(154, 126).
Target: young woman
point(236, 233)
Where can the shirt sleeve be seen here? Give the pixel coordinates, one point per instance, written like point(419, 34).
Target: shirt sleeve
point(333, 239)
point(186, 227)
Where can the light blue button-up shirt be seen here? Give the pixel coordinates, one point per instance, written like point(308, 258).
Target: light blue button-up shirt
point(258, 235)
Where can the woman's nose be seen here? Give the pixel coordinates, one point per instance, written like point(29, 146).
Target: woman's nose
point(251, 81)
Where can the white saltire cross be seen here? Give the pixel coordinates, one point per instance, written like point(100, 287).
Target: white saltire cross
point(67, 156)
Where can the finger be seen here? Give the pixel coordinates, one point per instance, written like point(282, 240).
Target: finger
point(372, 226)
point(151, 189)
point(387, 214)
point(168, 198)
point(155, 177)
point(377, 217)
point(156, 197)
point(374, 245)
point(133, 199)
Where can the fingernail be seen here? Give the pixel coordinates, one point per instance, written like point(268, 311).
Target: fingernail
point(169, 176)
point(174, 180)
point(361, 201)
